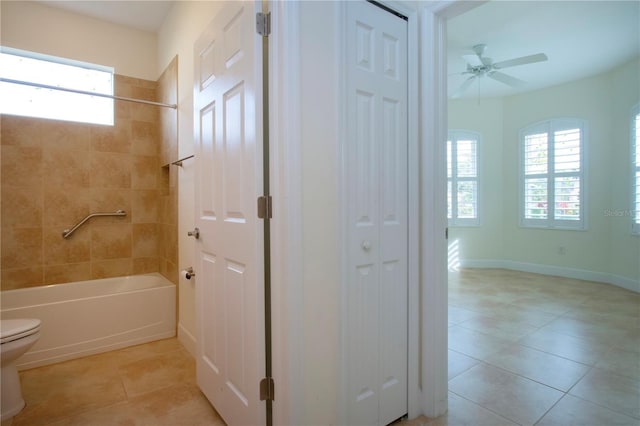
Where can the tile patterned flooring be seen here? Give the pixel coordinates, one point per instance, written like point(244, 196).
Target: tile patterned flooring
point(524, 349)
point(529, 349)
point(151, 385)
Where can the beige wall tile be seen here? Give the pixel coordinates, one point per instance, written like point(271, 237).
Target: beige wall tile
point(144, 172)
point(66, 135)
point(21, 131)
point(144, 206)
point(66, 168)
point(145, 240)
point(145, 265)
point(16, 278)
point(64, 207)
point(57, 274)
point(143, 112)
point(111, 138)
point(110, 170)
point(54, 173)
point(75, 249)
point(22, 207)
point(22, 166)
point(111, 268)
point(111, 200)
point(21, 247)
point(110, 242)
point(145, 138)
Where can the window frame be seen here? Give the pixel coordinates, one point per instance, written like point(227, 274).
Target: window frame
point(457, 135)
point(35, 89)
point(635, 169)
point(550, 127)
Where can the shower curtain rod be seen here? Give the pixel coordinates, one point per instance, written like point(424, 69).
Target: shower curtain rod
point(82, 92)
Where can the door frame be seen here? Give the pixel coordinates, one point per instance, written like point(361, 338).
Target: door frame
point(427, 363)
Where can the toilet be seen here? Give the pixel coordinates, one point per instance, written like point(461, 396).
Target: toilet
point(16, 337)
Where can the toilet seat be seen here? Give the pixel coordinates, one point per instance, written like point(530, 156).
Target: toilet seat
point(14, 329)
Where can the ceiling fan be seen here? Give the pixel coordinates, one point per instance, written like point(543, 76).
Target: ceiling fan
point(480, 66)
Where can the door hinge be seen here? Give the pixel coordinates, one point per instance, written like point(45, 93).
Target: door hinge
point(267, 389)
point(264, 207)
point(263, 23)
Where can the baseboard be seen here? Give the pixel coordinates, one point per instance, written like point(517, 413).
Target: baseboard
point(187, 339)
point(558, 271)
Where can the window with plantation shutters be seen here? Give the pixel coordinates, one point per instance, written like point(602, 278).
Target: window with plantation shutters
point(462, 178)
point(552, 174)
point(635, 170)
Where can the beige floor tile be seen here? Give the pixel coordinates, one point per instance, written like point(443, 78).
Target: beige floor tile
point(473, 343)
point(69, 398)
point(181, 404)
point(551, 370)
point(618, 393)
point(509, 395)
point(624, 363)
point(459, 363)
point(500, 328)
point(588, 330)
point(570, 411)
point(458, 315)
point(157, 372)
point(573, 348)
point(526, 315)
point(462, 412)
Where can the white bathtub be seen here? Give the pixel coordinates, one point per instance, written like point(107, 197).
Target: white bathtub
point(89, 317)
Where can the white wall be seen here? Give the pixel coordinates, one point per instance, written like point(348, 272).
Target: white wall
point(605, 251)
point(320, 211)
point(32, 26)
point(183, 25)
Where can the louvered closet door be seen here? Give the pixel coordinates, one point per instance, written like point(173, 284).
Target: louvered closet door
point(376, 185)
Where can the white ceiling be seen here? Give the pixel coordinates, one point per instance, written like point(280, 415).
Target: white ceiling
point(146, 15)
point(580, 38)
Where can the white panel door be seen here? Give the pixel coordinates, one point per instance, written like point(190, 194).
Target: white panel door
point(228, 154)
point(377, 185)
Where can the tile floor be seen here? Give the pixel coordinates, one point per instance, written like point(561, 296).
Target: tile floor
point(529, 349)
point(151, 385)
point(524, 349)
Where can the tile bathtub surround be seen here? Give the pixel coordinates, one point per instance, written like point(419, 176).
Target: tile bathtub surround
point(54, 173)
point(529, 349)
point(150, 384)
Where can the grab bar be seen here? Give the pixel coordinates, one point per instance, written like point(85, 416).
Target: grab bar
point(67, 232)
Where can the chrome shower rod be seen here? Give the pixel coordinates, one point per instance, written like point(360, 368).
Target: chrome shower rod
point(83, 92)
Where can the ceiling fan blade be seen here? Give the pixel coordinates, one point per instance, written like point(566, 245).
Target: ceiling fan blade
point(463, 87)
point(473, 60)
point(538, 57)
point(506, 79)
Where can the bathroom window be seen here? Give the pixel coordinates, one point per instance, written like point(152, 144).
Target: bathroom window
point(552, 175)
point(34, 100)
point(462, 178)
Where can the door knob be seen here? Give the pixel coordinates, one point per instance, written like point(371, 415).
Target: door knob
point(195, 233)
point(366, 245)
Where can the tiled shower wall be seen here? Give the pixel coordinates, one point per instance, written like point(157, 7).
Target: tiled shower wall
point(168, 202)
point(54, 173)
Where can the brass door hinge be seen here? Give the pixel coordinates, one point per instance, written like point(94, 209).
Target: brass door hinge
point(264, 207)
point(267, 389)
